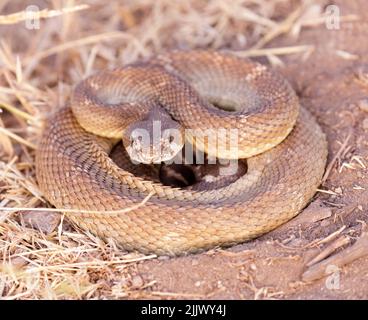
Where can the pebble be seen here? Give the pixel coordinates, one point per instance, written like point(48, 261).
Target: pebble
point(365, 124)
point(198, 284)
point(137, 281)
point(338, 190)
point(325, 223)
point(44, 221)
point(363, 104)
point(195, 263)
point(18, 262)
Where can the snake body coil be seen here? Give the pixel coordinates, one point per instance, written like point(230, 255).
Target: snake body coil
point(285, 147)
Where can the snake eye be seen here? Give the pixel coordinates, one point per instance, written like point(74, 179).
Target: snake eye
point(171, 139)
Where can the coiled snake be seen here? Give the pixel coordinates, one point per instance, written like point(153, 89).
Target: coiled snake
point(285, 147)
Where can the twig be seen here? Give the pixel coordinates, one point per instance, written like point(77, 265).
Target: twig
point(357, 250)
point(330, 237)
point(284, 27)
point(322, 20)
point(46, 13)
point(17, 138)
point(340, 242)
point(77, 43)
point(125, 210)
point(337, 155)
point(17, 112)
point(272, 51)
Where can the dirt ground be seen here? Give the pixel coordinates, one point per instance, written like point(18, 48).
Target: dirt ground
point(332, 86)
point(331, 79)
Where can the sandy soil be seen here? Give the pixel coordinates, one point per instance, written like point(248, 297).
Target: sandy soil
point(332, 82)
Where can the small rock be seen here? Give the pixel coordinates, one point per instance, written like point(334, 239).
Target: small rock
point(220, 284)
point(362, 74)
point(195, 262)
point(325, 223)
point(137, 281)
point(197, 284)
point(363, 104)
point(296, 242)
point(19, 262)
point(163, 258)
point(338, 190)
point(43, 221)
point(365, 124)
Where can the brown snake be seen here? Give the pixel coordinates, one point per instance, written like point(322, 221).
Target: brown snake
point(285, 147)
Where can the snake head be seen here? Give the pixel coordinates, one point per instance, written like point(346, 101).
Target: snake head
point(155, 139)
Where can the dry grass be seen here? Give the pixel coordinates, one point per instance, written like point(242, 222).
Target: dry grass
point(37, 71)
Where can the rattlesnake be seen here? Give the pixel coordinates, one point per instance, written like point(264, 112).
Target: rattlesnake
point(285, 147)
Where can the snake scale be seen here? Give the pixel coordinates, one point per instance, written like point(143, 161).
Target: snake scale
point(285, 148)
